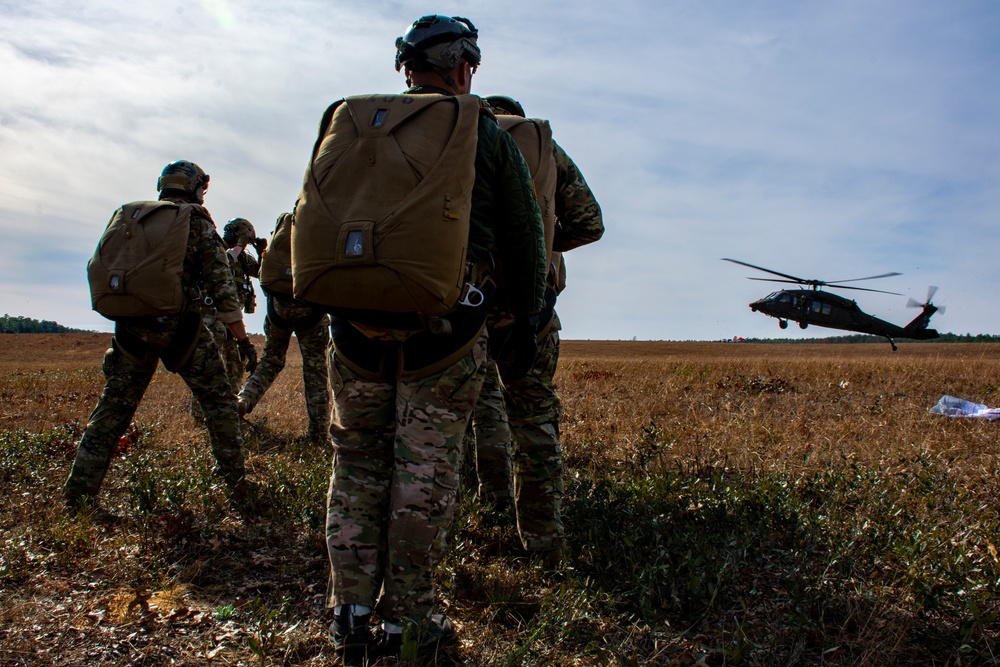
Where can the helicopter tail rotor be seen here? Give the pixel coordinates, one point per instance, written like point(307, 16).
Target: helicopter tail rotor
point(931, 291)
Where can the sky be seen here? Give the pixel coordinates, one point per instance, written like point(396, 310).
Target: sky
point(826, 140)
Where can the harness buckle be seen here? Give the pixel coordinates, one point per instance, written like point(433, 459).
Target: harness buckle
point(471, 296)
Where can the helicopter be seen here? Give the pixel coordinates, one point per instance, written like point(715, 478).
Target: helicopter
point(825, 309)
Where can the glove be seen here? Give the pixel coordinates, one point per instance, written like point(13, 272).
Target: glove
point(260, 245)
point(517, 353)
point(248, 353)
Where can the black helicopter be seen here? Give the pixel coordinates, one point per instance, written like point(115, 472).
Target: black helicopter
point(825, 309)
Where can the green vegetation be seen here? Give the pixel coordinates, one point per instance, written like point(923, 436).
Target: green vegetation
point(9, 324)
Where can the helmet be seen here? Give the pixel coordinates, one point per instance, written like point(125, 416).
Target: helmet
point(236, 230)
point(182, 175)
point(505, 106)
point(438, 41)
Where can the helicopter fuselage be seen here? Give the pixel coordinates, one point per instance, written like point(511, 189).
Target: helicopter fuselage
point(825, 309)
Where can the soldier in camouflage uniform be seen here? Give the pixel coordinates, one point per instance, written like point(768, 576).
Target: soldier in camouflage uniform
point(236, 356)
point(182, 342)
point(238, 235)
point(401, 408)
point(525, 442)
point(287, 315)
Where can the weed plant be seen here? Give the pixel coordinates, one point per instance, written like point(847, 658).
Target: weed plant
point(725, 504)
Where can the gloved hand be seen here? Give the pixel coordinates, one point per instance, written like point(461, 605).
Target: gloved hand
point(248, 353)
point(517, 353)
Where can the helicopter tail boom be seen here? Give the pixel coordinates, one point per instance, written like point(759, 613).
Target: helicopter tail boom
point(917, 329)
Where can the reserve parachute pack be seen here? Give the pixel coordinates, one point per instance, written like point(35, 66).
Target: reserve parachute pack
point(276, 262)
point(382, 221)
point(137, 266)
point(534, 137)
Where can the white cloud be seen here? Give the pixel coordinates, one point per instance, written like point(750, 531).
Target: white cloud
point(829, 140)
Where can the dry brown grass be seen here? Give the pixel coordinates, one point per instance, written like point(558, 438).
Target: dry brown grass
point(785, 406)
point(186, 580)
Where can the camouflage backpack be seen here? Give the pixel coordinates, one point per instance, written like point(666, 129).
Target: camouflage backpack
point(534, 137)
point(137, 266)
point(276, 262)
point(382, 221)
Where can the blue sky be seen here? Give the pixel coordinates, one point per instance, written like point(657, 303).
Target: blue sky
point(827, 140)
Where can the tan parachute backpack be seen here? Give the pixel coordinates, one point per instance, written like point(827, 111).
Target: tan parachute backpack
point(276, 262)
point(137, 266)
point(382, 222)
point(534, 137)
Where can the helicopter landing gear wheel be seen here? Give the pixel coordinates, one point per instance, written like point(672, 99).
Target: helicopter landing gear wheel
point(803, 325)
point(783, 324)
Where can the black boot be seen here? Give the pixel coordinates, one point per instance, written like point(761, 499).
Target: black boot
point(351, 635)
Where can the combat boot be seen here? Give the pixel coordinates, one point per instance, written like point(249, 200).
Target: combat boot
point(352, 637)
point(87, 506)
point(439, 631)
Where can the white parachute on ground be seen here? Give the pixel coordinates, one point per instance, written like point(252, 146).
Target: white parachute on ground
point(950, 406)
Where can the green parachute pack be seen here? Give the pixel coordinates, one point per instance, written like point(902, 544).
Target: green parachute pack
point(276, 261)
point(137, 266)
point(382, 221)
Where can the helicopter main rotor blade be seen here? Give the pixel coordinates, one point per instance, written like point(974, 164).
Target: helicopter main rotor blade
point(777, 273)
point(851, 280)
point(866, 289)
point(775, 280)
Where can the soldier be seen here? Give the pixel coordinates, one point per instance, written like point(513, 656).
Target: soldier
point(287, 315)
point(238, 235)
point(525, 441)
point(237, 357)
point(181, 341)
point(402, 403)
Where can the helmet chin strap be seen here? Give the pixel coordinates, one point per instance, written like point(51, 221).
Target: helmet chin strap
point(449, 79)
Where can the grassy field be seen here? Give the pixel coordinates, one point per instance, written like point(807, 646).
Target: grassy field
point(726, 504)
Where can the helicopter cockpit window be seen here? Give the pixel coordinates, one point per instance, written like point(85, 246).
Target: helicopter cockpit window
point(784, 298)
point(817, 306)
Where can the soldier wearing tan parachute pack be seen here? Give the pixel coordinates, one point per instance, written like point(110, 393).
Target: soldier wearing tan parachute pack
point(514, 434)
point(158, 269)
point(419, 191)
point(286, 316)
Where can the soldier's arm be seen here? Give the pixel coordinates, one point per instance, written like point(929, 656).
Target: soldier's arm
point(250, 265)
point(579, 219)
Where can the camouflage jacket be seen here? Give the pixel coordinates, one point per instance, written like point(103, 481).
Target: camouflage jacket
point(244, 268)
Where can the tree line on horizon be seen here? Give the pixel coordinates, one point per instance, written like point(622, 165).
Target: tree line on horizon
point(867, 338)
point(17, 324)
point(13, 324)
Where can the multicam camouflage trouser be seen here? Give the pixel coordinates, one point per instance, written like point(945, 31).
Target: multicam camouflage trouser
point(315, 348)
point(397, 448)
point(533, 413)
point(229, 352)
point(488, 439)
point(229, 349)
point(126, 382)
point(534, 410)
